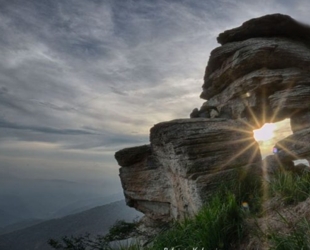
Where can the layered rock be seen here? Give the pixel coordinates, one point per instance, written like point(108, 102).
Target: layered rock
point(300, 120)
point(143, 182)
point(260, 74)
point(262, 71)
point(275, 25)
point(187, 160)
point(295, 146)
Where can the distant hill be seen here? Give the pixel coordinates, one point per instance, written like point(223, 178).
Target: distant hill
point(85, 204)
point(23, 198)
point(19, 225)
point(95, 221)
point(13, 209)
point(7, 218)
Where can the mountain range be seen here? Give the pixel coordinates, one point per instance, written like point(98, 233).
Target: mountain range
point(95, 221)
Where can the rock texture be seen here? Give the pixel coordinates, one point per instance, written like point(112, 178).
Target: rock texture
point(260, 74)
point(187, 160)
point(295, 146)
point(262, 71)
point(276, 25)
point(143, 182)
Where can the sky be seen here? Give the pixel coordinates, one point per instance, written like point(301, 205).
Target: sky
point(81, 79)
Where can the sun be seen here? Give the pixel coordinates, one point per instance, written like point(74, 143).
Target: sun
point(265, 133)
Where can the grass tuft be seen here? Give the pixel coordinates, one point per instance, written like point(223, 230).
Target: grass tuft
point(219, 225)
point(292, 188)
point(297, 239)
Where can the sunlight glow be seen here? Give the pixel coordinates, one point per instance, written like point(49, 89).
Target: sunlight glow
point(265, 133)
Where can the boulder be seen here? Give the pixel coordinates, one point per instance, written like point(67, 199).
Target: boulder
point(235, 60)
point(187, 161)
point(275, 25)
point(261, 72)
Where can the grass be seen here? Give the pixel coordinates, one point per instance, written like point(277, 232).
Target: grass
point(218, 225)
point(297, 239)
point(290, 187)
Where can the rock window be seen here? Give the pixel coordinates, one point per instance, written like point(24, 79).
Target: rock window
point(269, 134)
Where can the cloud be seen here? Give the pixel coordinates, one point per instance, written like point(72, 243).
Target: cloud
point(94, 76)
point(109, 64)
point(44, 130)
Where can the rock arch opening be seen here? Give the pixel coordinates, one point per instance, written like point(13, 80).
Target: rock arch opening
point(270, 133)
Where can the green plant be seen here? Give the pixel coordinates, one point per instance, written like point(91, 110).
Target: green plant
point(119, 231)
point(82, 242)
point(248, 188)
point(291, 187)
point(297, 239)
point(218, 225)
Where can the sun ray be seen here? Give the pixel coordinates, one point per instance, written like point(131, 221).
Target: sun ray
point(240, 140)
point(251, 127)
point(236, 155)
point(246, 131)
point(282, 100)
point(288, 151)
point(254, 154)
point(280, 163)
point(263, 117)
point(253, 116)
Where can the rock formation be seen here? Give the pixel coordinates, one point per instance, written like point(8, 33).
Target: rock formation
point(186, 161)
point(259, 74)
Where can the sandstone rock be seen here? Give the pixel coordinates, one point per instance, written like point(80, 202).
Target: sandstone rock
point(206, 111)
point(300, 120)
point(129, 156)
point(215, 143)
point(234, 60)
point(143, 182)
point(275, 25)
point(255, 92)
point(260, 74)
point(271, 165)
point(292, 99)
point(188, 161)
point(295, 146)
point(195, 113)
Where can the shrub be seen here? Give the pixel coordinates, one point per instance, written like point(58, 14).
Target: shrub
point(120, 230)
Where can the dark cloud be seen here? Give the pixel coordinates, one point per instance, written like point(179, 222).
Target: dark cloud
point(3, 90)
point(44, 130)
point(94, 76)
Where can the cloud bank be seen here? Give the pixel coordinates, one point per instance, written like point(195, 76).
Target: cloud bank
point(94, 76)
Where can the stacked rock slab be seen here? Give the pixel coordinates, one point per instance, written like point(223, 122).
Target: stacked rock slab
point(259, 74)
point(184, 164)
